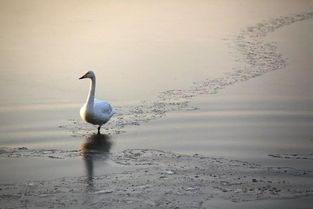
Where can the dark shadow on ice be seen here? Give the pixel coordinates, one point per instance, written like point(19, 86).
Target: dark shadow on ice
point(96, 148)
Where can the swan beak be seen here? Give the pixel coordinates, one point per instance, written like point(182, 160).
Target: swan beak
point(84, 76)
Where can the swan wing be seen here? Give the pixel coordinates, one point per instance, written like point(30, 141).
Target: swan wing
point(102, 107)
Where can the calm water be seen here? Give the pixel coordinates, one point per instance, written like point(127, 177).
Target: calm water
point(138, 49)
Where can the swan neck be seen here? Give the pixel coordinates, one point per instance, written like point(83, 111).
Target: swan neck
point(91, 95)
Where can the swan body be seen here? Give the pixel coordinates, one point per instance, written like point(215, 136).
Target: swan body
point(95, 111)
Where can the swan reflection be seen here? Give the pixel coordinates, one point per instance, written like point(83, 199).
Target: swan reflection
point(96, 148)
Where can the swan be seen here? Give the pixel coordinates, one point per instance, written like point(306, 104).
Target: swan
point(95, 111)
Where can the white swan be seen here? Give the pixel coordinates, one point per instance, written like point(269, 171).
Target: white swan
point(95, 111)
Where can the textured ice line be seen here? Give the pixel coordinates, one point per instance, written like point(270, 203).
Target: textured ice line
point(255, 58)
point(22, 152)
point(158, 179)
point(294, 156)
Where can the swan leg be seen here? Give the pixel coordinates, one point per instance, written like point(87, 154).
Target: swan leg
point(99, 129)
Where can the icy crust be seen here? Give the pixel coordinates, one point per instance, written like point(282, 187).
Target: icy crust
point(158, 179)
point(8, 152)
point(254, 57)
point(293, 156)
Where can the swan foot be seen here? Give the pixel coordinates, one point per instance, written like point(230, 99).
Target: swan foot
point(99, 129)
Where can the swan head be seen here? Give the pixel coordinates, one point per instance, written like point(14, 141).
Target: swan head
point(89, 74)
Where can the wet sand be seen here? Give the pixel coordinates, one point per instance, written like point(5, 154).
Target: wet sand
point(238, 141)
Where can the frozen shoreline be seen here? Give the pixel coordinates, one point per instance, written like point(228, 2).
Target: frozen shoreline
point(158, 179)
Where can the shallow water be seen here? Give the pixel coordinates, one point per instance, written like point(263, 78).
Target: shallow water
point(199, 72)
point(137, 49)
